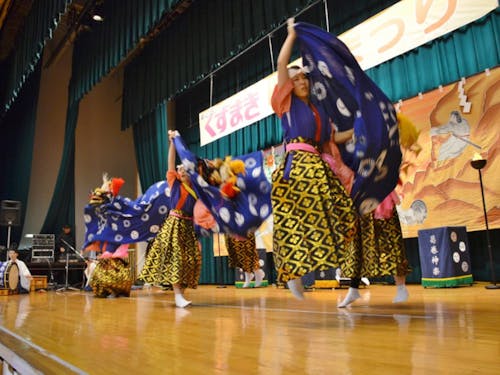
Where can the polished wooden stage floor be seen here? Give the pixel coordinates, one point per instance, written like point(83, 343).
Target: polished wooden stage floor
point(256, 331)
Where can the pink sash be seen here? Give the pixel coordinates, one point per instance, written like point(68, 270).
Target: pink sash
point(302, 147)
point(177, 214)
point(344, 173)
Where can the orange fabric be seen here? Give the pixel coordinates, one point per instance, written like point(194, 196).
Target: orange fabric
point(202, 216)
point(94, 246)
point(229, 189)
point(171, 177)
point(282, 98)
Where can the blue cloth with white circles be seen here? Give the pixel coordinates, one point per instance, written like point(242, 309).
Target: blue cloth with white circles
point(353, 101)
point(123, 220)
point(241, 214)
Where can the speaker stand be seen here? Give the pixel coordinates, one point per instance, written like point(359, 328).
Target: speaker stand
point(9, 228)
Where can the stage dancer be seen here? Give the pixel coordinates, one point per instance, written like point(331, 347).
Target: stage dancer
point(112, 221)
point(378, 251)
point(243, 254)
point(314, 218)
point(175, 256)
point(354, 103)
point(234, 190)
point(242, 251)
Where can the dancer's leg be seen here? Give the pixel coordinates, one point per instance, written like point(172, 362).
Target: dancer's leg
point(248, 279)
point(180, 301)
point(296, 287)
point(352, 294)
point(401, 291)
point(259, 276)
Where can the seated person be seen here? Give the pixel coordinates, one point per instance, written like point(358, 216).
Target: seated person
point(24, 272)
point(64, 241)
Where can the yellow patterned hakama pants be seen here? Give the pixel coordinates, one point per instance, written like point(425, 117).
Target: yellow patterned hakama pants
point(314, 218)
point(111, 276)
point(242, 254)
point(378, 249)
point(174, 256)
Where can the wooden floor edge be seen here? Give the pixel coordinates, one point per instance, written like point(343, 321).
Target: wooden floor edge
point(9, 358)
point(26, 358)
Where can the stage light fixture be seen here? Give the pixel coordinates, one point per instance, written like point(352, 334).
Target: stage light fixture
point(98, 18)
point(98, 13)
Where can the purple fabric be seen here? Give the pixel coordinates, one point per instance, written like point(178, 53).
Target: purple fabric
point(353, 101)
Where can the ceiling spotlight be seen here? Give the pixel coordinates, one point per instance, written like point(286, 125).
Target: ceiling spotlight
point(97, 18)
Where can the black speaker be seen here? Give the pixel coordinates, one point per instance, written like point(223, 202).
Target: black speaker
point(10, 213)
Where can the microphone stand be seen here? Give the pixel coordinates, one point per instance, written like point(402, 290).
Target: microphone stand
point(9, 226)
point(73, 249)
point(66, 284)
point(51, 280)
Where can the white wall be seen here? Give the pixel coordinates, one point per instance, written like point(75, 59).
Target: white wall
point(48, 142)
point(100, 145)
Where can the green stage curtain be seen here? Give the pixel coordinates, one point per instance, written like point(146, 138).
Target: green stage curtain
point(16, 149)
point(62, 206)
point(94, 55)
point(106, 44)
point(41, 21)
point(151, 147)
point(212, 32)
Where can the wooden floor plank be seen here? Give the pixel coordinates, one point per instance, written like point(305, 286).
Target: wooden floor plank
point(259, 331)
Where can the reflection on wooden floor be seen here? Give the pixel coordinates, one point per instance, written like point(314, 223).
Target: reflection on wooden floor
point(258, 331)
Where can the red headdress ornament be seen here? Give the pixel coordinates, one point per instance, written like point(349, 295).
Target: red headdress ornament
point(116, 184)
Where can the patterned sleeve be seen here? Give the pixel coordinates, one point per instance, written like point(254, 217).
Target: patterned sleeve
point(282, 98)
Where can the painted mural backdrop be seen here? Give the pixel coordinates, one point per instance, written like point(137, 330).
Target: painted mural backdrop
point(440, 188)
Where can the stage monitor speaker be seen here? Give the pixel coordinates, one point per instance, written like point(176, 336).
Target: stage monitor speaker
point(10, 213)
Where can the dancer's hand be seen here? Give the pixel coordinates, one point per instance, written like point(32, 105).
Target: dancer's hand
point(172, 134)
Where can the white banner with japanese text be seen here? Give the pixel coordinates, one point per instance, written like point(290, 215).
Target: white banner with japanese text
point(248, 106)
point(409, 24)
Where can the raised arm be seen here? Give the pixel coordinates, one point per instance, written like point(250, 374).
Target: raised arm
point(286, 53)
point(171, 150)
